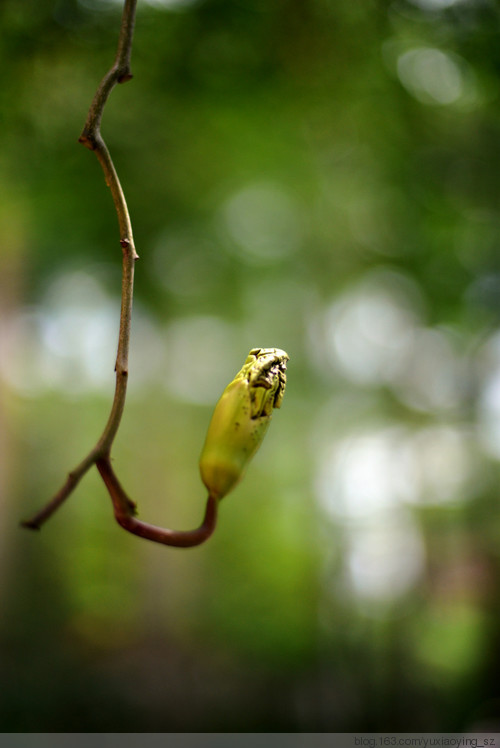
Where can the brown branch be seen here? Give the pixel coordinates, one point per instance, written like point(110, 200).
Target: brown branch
point(74, 477)
point(124, 508)
point(91, 137)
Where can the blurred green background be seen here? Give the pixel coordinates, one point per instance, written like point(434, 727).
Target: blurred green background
point(322, 176)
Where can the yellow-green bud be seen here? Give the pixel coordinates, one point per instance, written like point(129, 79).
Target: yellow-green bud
point(241, 418)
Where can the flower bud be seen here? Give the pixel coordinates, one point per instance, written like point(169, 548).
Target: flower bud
point(241, 418)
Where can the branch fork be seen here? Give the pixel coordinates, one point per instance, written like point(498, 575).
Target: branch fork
point(124, 508)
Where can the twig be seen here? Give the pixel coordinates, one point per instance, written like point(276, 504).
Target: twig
point(91, 137)
point(124, 508)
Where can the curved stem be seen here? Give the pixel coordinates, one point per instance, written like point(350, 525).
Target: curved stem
point(124, 510)
point(91, 137)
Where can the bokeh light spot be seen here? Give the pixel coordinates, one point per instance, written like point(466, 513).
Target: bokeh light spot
point(435, 77)
point(263, 221)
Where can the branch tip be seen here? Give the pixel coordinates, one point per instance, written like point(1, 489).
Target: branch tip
point(30, 525)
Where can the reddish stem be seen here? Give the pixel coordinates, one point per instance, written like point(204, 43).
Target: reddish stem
point(124, 510)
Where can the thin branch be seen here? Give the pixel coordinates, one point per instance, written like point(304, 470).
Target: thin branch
point(69, 486)
point(118, 73)
point(124, 508)
point(91, 137)
point(124, 513)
